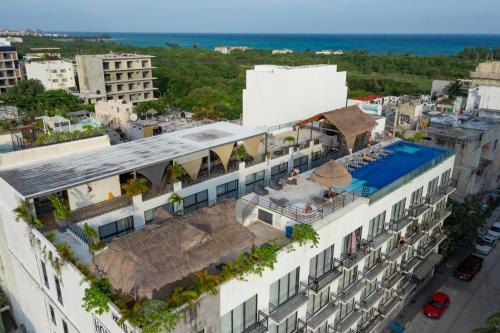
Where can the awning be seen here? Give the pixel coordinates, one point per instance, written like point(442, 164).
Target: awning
point(425, 267)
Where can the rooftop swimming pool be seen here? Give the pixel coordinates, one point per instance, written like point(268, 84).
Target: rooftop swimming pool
point(404, 158)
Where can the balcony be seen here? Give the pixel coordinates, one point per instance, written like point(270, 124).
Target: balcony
point(370, 301)
point(408, 266)
point(346, 323)
point(392, 281)
point(417, 210)
point(379, 240)
point(439, 238)
point(320, 317)
point(278, 313)
point(372, 273)
point(370, 324)
point(434, 198)
point(260, 326)
point(449, 187)
point(388, 306)
point(316, 284)
point(425, 250)
point(347, 294)
point(396, 253)
point(156, 192)
point(100, 208)
point(349, 260)
point(407, 289)
point(397, 226)
point(416, 237)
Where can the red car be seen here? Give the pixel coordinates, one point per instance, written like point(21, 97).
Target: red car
point(437, 305)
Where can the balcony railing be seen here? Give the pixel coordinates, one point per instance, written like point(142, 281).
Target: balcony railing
point(409, 265)
point(448, 187)
point(348, 293)
point(417, 210)
point(434, 198)
point(370, 324)
point(216, 170)
point(278, 313)
point(425, 250)
point(398, 225)
point(387, 307)
point(397, 252)
point(372, 299)
point(320, 317)
point(416, 237)
point(392, 281)
point(156, 192)
point(316, 284)
point(405, 290)
point(260, 326)
point(347, 322)
point(372, 273)
point(379, 240)
point(351, 259)
point(100, 208)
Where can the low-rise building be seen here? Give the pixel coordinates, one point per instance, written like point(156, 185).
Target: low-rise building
point(282, 51)
point(115, 114)
point(483, 98)
point(486, 74)
point(53, 74)
point(229, 49)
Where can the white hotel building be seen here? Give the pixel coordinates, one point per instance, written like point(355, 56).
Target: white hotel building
point(378, 238)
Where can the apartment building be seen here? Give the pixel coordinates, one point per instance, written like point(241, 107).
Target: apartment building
point(486, 74)
point(53, 74)
point(378, 232)
point(118, 76)
point(10, 73)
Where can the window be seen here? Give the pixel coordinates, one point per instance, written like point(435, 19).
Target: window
point(117, 228)
point(369, 289)
point(254, 179)
point(283, 289)
point(352, 242)
point(317, 302)
point(227, 190)
point(241, 317)
point(301, 163)
point(348, 278)
point(196, 201)
point(65, 326)
point(346, 309)
point(279, 171)
point(373, 258)
point(322, 263)
point(45, 277)
point(149, 215)
point(53, 71)
point(58, 289)
point(416, 197)
point(376, 226)
point(63, 70)
point(52, 314)
point(445, 178)
point(432, 188)
point(288, 326)
point(398, 210)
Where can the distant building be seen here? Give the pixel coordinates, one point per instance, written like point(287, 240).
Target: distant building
point(114, 114)
point(141, 129)
point(229, 49)
point(330, 52)
point(486, 74)
point(484, 98)
point(53, 74)
point(10, 73)
point(117, 76)
point(284, 51)
point(369, 104)
point(278, 95)
point(43, 53)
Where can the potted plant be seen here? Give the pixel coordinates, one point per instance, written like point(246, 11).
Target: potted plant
point(135, 187)
point(24, 212)
point(289, 140)
point(241, 153)
point(61, 213)
point(176, 200)
point(176, 172)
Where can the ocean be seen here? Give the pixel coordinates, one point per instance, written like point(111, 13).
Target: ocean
point(374, 44)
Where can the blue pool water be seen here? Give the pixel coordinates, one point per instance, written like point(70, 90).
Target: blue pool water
point(405, 157)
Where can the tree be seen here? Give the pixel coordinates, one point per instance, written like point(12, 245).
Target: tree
point(98, 296)
point(23, 94)
point(135, 187)
point(24, 212)
point(493, 322)
point(462, 225)
point(176, 171)
point(176, 200)
point(240, 152)
point(158, 105)
point(60, 211)
point(454, 89)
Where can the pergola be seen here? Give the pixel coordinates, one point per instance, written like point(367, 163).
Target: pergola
point(350, 122)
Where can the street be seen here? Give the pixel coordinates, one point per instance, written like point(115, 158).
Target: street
point(471, 302)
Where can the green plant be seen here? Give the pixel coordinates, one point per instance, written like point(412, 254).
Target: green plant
point(240, 152)
point(181, 296)
point(51, 237)
point(135, 187)
point(151, 316)
point(66, 252)
point(175, 199)
point(206, 282)
point(60, 211)
point(24, 212)
point(288, 140)
point(303, 233)
point(493, 323)
point(95, 242)
point(176, 172)
point(98, 296)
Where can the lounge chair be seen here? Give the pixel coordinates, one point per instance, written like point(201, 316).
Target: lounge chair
point(275, 184)
point(260, 190)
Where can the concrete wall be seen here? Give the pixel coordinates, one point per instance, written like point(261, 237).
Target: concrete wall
point(94, 192)
point(90, 74)
point(114, 114)
point(277, 95)
point(489, 97)
point(62, 78)
point(41, 153)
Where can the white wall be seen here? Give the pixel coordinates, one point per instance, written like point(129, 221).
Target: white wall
point(380, 127)
point(80, 196)
point(54, 74)
point(489, 97)
point(277, 95)
point(115, 114)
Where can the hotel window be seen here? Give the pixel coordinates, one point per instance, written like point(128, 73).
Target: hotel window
point(322, 263)
point(445, 177)
point(288, 326)
point(352, 243)
point(58, 289)
point(317, 302)
point(398, 210)
point(279, 171)
point(348, 278)
point(52, 315)
point(196, 201)
point(376, 226)
point(432, 188)
point(285, 288)
point(117, 228)
point(301, 163)
point(346, 309)
point(254, 179)
point(416, 197)
point(65, 326)
point(373, 258)
point(45, 277)
point(369, 289)
point(227, 190)
point(149, 215)
point(241, 317)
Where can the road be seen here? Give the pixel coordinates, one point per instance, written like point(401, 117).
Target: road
point(471, 302)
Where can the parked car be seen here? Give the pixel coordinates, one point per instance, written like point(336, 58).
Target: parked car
point(437, 305)
point(495, 230)
point(469, 267)
point(485, 244)
point(482, 231)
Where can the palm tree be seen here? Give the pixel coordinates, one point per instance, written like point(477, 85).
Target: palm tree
point(176, 200)
point(135, 187)
point(288, 140)
point(24, 212)
point(207, 282)
point(454, 89)
point(60, 211)
point(240, 152)
point(176, 172)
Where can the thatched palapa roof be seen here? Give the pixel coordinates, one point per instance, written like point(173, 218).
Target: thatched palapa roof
point(351, 121)
point(145, 262)
point(331, 174)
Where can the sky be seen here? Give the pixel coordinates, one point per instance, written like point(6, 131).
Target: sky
point(254, 16)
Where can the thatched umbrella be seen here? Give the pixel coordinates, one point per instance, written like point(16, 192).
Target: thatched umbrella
point(331, 174)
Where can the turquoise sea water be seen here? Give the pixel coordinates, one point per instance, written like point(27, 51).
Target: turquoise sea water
point(375, 44)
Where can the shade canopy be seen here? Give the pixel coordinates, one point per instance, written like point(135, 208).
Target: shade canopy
point(331, 174)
